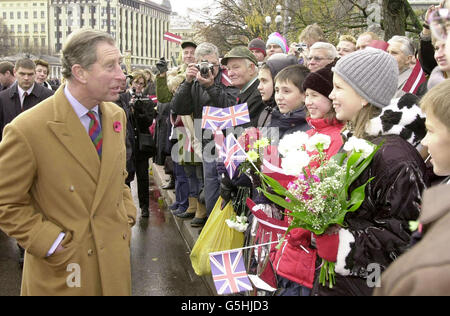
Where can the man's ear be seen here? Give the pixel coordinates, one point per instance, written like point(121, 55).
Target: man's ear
point(79, 73)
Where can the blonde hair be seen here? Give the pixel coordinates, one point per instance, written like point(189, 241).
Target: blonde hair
point(347, 38)
point(437, 102)
point(359, 124)
point(313, 33)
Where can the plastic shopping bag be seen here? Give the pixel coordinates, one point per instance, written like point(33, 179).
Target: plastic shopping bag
point(216, 236)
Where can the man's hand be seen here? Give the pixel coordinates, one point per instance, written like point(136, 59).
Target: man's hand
point(206, 82)
point(191, 73)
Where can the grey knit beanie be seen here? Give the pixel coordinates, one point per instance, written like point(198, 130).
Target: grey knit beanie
point(373, 74)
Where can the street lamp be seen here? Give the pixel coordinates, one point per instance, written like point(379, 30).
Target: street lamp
point(279, 19)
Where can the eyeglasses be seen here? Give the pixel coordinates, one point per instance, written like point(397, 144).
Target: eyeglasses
point(139, 83)
point(440, 23)
point(316, 58)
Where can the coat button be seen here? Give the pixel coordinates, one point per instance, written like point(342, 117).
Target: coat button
point(90, 252)
point(72, 188)
point(125, 236)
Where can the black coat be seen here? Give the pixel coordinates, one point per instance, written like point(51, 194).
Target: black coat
point(10, 102)
point(288, 123)
point(380, 227)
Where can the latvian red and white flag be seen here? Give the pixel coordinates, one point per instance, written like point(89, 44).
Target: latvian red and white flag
point(226, 81)
point(172, 38)
point(415, 80)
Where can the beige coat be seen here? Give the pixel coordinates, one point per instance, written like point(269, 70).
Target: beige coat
point(424, 269)
point(53, 181)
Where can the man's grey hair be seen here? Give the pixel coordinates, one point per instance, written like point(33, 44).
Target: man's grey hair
point(331, 50)
point(205, 49)
point(81, 48)
point(407, 45)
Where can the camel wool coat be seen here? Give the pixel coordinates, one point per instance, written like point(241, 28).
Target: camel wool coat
point(51, 181)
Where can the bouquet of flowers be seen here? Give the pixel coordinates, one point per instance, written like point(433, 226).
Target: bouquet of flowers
point(319, 197)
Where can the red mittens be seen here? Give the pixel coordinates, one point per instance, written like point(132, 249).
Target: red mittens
point(327, 246)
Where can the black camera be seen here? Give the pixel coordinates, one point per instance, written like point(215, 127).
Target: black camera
point(139, 100)
point(205, 67)
point(301, 47)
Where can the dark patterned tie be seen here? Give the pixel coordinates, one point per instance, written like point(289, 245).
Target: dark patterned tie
point(95, 132)
point(25, 94)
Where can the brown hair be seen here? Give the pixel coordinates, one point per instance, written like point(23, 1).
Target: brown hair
point(25, 63)
point(313, 33)
point(43, 63)
point(295, 74)
point(139, 75)
point(6, 66)
point(81, 48)
point(437, 102)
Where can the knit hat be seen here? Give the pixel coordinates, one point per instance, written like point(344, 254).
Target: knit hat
point(277, 39)
point(258, 45)
point(320, 81)
point(279, 61)
point(372, 73)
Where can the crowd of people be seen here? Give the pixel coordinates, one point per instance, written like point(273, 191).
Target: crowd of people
point(359, 88)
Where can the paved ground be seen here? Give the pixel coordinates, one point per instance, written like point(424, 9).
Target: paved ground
point(160, 257)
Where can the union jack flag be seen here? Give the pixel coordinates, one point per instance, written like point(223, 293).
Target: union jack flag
point(219, 119)
point(228, 271)
point(232, 154)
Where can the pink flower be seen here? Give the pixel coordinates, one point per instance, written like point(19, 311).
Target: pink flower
point(117, 127)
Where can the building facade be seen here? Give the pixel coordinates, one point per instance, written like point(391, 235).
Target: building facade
point(42, 26)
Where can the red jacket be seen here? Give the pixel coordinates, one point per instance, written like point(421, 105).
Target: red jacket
point(295, 260)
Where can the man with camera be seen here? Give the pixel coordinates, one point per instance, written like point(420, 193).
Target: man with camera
point(140, 114)
point(204, 87)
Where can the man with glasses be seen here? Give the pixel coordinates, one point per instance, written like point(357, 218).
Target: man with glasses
point(320, 55)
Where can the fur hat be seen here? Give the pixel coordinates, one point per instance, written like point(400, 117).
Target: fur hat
point(402, 117)
point(320, 81)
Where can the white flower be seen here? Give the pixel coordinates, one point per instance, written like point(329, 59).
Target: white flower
point(294, 162)
point(359, 145)
point(316, 139)
point(292, 142)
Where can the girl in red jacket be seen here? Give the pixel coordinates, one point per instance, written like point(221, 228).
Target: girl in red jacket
point(296, 265)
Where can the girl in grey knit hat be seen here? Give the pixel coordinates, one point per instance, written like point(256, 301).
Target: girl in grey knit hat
point(364, 83)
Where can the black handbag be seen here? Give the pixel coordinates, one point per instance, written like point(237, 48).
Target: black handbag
point(146, 142)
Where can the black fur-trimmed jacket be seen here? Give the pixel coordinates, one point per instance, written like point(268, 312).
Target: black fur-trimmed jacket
point(378, 232)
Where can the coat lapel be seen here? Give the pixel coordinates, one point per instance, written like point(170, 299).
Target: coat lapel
point(110, 149)
point(72, 135)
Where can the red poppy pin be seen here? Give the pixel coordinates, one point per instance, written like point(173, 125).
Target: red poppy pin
point(117, 127)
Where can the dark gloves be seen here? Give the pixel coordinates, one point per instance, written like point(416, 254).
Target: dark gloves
point(162, 65)
point(227, 190)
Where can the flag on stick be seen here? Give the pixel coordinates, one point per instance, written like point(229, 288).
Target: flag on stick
point(172, 38)
point(233, 154)
point(415, 80)
point(228, 271)
point(222, 118)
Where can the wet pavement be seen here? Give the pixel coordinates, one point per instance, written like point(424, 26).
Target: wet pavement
point(160, 263)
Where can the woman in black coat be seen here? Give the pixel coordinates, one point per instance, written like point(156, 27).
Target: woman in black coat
point(378, 232)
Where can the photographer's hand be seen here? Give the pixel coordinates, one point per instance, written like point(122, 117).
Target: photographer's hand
point(191, 73)
point(206, 82)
